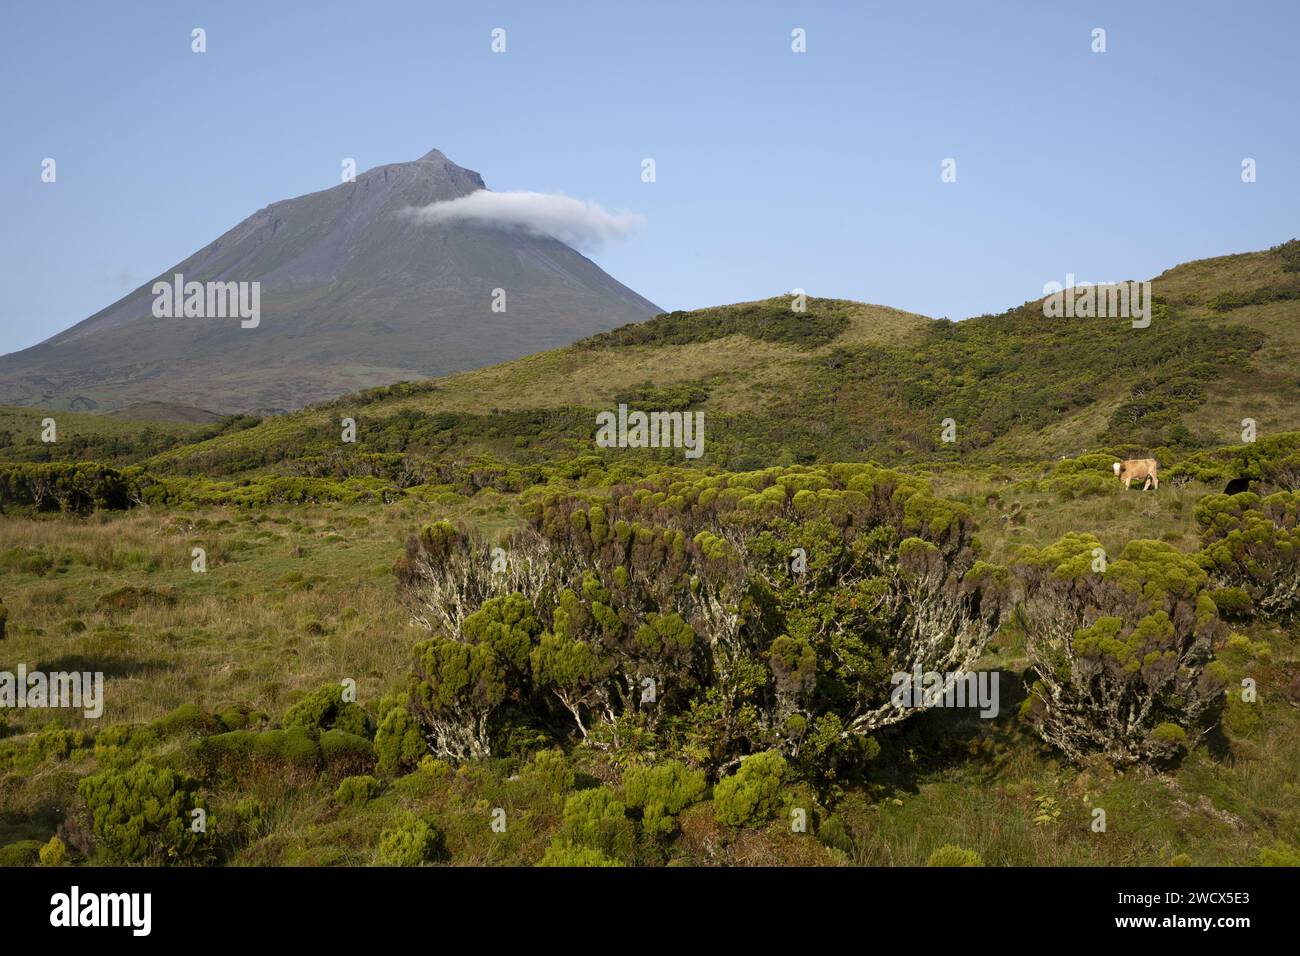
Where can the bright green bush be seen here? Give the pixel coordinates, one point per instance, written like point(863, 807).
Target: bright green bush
point(455, 690)
point(186, 720)
point(1232, 603)
point(551, 770)
point(1280, 853)
point(243, 752)
point(950, 855)
point(399, 745)
point(22, 853)
point(122, 745)
point(357, 790)
point(661, 792)
point(565, 854)
point(752, 795)
point(54, 853)
point(143, 814)
point(595, 818)
point(1123, 656)
point(413, 842)
point(325, 709)
point(58, 742)
point(1253, 545)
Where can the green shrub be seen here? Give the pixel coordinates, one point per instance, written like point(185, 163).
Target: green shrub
point(752, 795)
point(54, 853)
point(1123, 655)
point(188, 720)
point(325, 709)
point(1233, 603)
point(949, 855)
point(1251, 544)
point(343, 752)
point(399, 744)
point(58, 742)
point(412, 842)
point(771, 320)
point(144, 814)
point(1240, 718)
point(1086, 485)
point(243, 752)
point(455, 690)
point(22, 853)
point(564, 854)
point(1280, 854)
point(1170, 738)
point(121, 745)
point(597, 819)
point(551, 771)
point(833, 833)
point(357, 790)
point(661, 792)
point(241, 716)
point(79, 487)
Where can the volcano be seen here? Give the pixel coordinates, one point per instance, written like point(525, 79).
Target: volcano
point(353, 292)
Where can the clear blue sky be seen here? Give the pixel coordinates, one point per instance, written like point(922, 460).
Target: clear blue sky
point(775, 170)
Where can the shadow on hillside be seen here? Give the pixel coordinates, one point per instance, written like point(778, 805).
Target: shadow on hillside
point(943, 739)
point(108, 666)
point(1215, 740)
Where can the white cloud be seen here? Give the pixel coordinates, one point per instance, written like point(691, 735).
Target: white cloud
point(572, 221)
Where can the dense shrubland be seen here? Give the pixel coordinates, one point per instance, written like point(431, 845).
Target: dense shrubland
point(1029, 374)
point(75, 487)
point(119, 446)
point(1273, 461)
point(706, 617)
point(1122, 649)
point(770, 320)
point(1252, 546)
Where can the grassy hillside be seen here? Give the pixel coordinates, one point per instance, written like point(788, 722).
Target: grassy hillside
point(846, 381)
point(122, 438)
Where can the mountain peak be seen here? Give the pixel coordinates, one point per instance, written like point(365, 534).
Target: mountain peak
point(355, 294)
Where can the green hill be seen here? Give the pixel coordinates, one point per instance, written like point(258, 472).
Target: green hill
point(848, 381)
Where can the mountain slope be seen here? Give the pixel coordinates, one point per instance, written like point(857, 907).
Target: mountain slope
point(848, 381)
point(842, 381)
point(353, 294)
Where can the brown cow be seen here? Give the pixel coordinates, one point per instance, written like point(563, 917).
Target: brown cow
point(1141, 468)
